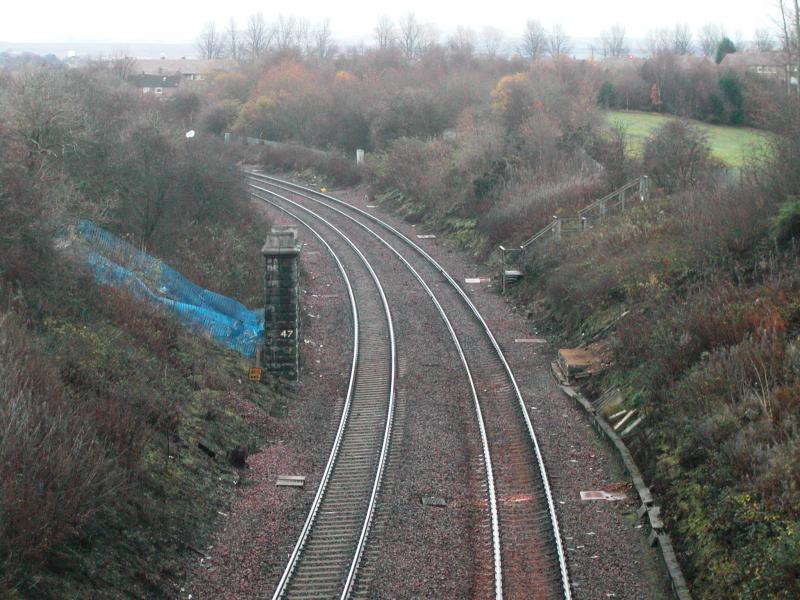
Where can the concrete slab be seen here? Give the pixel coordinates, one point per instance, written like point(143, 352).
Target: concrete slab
point(602, 495)
point(291, 481)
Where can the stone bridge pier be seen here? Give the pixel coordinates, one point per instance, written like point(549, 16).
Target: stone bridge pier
point(280, 356)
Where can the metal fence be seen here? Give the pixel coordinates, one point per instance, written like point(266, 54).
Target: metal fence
point(637, 191)
point(117, 263)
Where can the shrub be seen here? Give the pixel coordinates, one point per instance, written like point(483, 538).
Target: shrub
point(610, 149)
point(530, 203)
point(295, 157)
point(786, 224)
point(220, 117)
point(56, 467)
point(607, 96)
point(414, 168)
point(678, 156)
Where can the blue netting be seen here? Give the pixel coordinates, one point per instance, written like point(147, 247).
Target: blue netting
point(115, 262)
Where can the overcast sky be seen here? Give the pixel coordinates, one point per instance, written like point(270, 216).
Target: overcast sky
point(181, 21)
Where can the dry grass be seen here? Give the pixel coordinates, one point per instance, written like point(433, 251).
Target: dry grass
point(60, 460)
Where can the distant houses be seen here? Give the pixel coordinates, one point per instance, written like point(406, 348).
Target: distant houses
point(163, 77)
point(769, 65)
point(160, 86)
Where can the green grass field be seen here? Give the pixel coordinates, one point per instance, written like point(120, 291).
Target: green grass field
point(731, 145)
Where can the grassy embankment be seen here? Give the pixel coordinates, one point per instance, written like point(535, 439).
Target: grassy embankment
point(117, 426)
point(120, 427)
point(731, 145)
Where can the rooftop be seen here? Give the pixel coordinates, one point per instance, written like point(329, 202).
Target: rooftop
point(183, 65)
point(146, 80)
point(743, 60)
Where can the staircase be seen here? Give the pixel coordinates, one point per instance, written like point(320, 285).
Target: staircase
point(513, 259)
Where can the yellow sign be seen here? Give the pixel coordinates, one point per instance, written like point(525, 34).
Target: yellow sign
point(254, 374)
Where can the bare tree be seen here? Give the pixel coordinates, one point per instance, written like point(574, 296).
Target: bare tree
point(558, 42)
point(257, 36)
point(763, 40)
point(788, 38)
point(462, 42)
point(491, 40)
point(534, 40)
point(785, 29)
point(797, 30)
point(682, 39)
point(303, 36)
point(123, 65)
point(410, 36)
point(739, 41)
point(210, 43)
point(428, 39)
point(323, 40)
point(790, 32)
point(232, 40)
point(709, 38)
point(614, 42)
point(286, 32)
point(657, 42)
point(385, 34)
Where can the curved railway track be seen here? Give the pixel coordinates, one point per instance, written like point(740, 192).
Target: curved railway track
point(527, 556)
point(325, 558)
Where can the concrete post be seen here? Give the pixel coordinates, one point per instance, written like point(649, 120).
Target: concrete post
point(557, 230)
point(644, 188)
point(280, 357)
point(503, 268)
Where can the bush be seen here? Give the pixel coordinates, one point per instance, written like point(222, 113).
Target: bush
point(610, 149)
point(59, 461)
point(219, 118)
point(786, 224)
point(294, 157)
point(424, 174)
point(677, 156)
point(530, 203)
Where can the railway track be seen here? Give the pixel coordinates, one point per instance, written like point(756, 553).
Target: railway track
point(325, 558)
point(526, 557)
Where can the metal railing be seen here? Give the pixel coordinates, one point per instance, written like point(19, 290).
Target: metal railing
point(638, 189)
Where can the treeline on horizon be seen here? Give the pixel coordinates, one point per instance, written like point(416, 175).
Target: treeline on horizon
point(259, 35)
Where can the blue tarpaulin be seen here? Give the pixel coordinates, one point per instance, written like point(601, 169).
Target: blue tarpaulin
point(116, 262)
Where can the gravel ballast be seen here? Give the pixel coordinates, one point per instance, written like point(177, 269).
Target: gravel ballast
point(420, 550)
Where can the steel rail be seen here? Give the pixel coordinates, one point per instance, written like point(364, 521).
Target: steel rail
point(308, 526)
point(565, 584)
point(491, 491)
point(340, 430)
